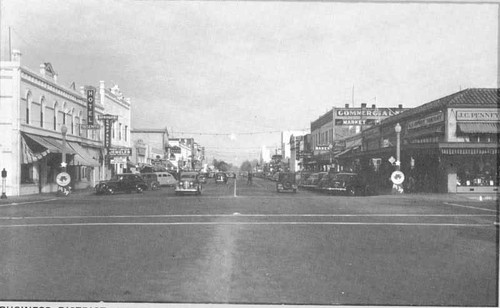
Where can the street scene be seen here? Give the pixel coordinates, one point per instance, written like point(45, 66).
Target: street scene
point(244, 243)
point(249, 153)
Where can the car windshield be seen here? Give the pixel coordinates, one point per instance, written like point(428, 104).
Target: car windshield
point(342, 177)
point(188, 176)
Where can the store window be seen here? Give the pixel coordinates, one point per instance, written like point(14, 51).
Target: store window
point(477, 171)
point(27, 174)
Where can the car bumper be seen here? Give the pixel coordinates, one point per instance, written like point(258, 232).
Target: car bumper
point(335, 188)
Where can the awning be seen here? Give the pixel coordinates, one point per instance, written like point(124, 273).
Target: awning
point(342, 153)
point(29, 155)
point(427, 131)
point(50, 144)
point(479, 127)
point(82, 157)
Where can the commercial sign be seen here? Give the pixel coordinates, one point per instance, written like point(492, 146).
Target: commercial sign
point(355, 121)
point(107, 134)
point(429, 120)
point(489, 115)
point(90, 93)
point(120, 152)
point(107, 117)
point(377, 113)
point(90, 126)
point(322, 148)
point(118, 160)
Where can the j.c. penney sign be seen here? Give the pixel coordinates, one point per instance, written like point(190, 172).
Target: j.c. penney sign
point(477, 115)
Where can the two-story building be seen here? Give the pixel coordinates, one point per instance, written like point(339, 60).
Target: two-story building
point(40, 120)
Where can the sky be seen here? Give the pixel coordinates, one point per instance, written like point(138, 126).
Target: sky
point(233, 74)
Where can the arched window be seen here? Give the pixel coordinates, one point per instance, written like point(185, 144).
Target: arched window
point(28, 105)
point(55, 115)
point(72, 119)
point(42, 108)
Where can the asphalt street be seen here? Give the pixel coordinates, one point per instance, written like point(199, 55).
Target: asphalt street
point(247, 244)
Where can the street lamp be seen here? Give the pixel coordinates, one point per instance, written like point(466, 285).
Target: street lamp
point(397, 128)
point(63, 179)
point(64, 131)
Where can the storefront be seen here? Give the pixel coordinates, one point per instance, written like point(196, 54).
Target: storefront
point(449, 145)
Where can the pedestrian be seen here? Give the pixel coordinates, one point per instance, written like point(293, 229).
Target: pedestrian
point(249, 178)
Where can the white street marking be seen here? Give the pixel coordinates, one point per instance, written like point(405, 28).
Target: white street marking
point(247, 223)
point(28, 202)
point(248, 215)
point(470, 207)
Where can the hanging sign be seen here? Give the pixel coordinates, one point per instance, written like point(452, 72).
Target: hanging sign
point(120, 151)
point(90, 93)
point(107, 117)
point(107, 134)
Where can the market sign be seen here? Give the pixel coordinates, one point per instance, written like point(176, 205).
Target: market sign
point(322, 148)
point(120, 152)
point(355, 121)
point(477, 115)
point(90, 93)
point(429, 120)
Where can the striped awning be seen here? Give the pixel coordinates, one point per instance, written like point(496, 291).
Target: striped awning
point(28, 155)
point(51, 144)
point(479, 127)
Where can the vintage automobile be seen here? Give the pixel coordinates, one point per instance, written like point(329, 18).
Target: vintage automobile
point(125, 182)
point(220, 178)
point(188, 183)
point(313, 180)
point(349, 184)
point(166, 178)
point(202, 177)
point(151, 180)
point(286, 182)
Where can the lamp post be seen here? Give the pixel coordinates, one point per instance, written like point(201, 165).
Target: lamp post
point(397, 177)
point(4, 178)
point(397, 128)
point(63, 179)
point(64, 131)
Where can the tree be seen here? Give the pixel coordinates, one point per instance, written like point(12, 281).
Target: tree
point(246, 166)
point(221, 165)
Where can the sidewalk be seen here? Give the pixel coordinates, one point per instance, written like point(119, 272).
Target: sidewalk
point(42, 197)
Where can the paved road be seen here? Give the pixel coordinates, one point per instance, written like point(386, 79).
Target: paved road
point(248, 244)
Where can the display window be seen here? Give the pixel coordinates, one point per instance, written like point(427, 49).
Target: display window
point(477, 171)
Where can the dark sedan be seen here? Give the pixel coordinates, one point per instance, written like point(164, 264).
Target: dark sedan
point(126, 182)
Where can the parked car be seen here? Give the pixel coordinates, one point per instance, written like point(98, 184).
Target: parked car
point(286, 182)
point(349, 184)
point(125, 182)
point(166, 179)
point(221, 177)
point(313, 180)
point(188, 183)
point(202, 177)
point(151, 180)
